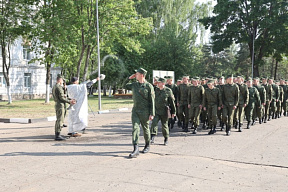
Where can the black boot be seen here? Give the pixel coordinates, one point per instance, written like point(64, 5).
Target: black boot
point(253, 122)
point(273, 115)
point(135, 152)
point(248, 124)
point(265, 120)
point(166, 141)
point(210, 132)
point(269, 118)
point(284, 114)
point(195, 130)
point(214, 129)
point(152, 138)
point(58, 137)
point(228, 130)
point(146, 148)
point(260, 121)
point(236, 124)
point(240, 127)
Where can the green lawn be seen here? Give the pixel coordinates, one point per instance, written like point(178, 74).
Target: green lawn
point(38, 109)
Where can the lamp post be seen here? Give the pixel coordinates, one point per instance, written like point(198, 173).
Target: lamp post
point(98, 54)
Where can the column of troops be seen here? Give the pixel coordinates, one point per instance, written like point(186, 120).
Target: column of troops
point(228, 100)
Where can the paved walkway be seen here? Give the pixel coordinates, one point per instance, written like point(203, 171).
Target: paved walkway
point(254, 160)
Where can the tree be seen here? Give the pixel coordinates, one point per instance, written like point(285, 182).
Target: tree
point(246, 21)
point(13, 24)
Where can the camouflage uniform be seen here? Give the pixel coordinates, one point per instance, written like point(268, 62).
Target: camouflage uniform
point(195, 99)
point(243, 100)
point(259, 110)
point(285, 98)
point(182, 99)
point(254, 100)
point(275, 97)
point(268, 89)
point(280, 101)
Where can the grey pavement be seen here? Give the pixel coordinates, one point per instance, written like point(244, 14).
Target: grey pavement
point(254, 160)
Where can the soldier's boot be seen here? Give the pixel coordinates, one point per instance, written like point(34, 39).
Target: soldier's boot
point(284, 114)
point(146, 148)
point(260, 121)
point(166, 141)
point(214, 129)
point(195, 130)
point(273, 115)
point(135, 152)
point(179, 123)
point(204, 125)
point(222, 126)
point(279, 114)
point(236, 124)
point(265, 120)
point(240, 127)
point(152, 138)
point(58, 137)
point(248, 124)
point(269, 118)
point(276, 115)
point(228, 130)
point(186, 128)
point(253, 122)
point(211, 131)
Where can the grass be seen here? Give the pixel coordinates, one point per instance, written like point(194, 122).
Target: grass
point(38, 109)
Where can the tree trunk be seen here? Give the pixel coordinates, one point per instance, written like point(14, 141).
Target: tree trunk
point(104, 90)
point(275, 71)
point(86, 62)
point(5, 69)
point(81, 54)
point(272, 66)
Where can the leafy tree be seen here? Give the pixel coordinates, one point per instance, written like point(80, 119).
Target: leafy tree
point(13, 24)
point(241, 21)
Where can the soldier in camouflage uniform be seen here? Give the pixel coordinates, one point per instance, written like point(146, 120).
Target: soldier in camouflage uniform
point(285, 96)
point(173, 87)
point(182, 103)
point(220, 85)
point(195, 102)
point(275, 98)
point(268, 89)
point(259, 110)
point(60, 100)
point(280, 101)
point(164, 101)
point(143, 109)
point(212, 103)
point(203, 116)
point(230, 101)
point(254, 100)
point(243, 102)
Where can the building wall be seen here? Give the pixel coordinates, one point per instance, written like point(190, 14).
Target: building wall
point(19, 67)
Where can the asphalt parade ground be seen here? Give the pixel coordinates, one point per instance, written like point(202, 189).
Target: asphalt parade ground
point(254, 160)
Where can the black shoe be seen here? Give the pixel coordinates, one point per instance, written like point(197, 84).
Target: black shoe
point(260, 121)
point(214, 130)
point(240, 127)
point(64, 125)
point(146, 148)
point(210, 132)
point(58, 137)
point(166, 141)
point(236, 124)
point(248, 125)
point(253, 122)
point(195, 130)
point(269, 118)
point(228, 133)
point(265, 120)
point(135, 152)
point(152, 138)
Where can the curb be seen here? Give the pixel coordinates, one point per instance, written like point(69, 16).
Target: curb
point(52, 118)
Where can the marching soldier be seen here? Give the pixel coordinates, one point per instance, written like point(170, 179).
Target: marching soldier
point(254, 100)
point(280, 101)
point(243, 101)
point(212, 103)
point(143, 109)
point(182, 103)
point(204, 113)
point(220, 85)
point(164, 104)
point(173, 87)
point(268, 89)
point(230, 101)
point(275, 98)
point(258, 110)
point(195, 102)
point(285, 96)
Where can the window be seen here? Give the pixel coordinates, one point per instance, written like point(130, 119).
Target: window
point(2, 80)
point(27, 79)
point(51, 80)
point(26, 52)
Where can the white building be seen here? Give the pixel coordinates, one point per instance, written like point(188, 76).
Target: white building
point(27, 81)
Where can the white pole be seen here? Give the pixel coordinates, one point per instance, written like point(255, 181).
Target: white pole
point(98, 49)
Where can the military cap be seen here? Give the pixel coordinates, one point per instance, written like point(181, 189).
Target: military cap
point(229, 76)
point(141, 70)
point(263, 78)
point(271, 78)
point(195, 78)
point(162, 80)
point(256, 78)
point(168, 77)
point(211, 81)
point(179, 80)
point(249, 79)
point(185, 76)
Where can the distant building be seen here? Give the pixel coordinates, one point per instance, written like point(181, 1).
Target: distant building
point(27, 81)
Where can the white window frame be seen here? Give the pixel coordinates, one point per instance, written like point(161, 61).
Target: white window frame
point(26, 53)
point(27, 80)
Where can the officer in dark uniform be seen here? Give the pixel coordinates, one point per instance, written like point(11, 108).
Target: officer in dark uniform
point(275, 98)
point(259, 110)
point(173, 87)
point(268, 89)
point(182, 103)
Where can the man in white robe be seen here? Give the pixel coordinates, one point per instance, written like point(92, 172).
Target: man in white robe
point(78, 114)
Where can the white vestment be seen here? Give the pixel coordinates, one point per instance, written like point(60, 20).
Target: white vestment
point(78, 118)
